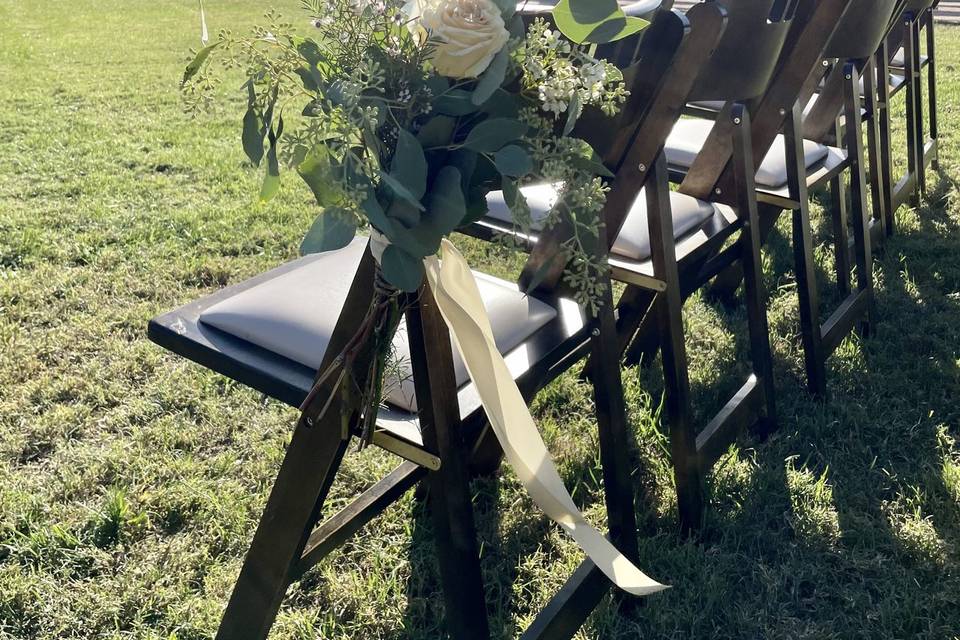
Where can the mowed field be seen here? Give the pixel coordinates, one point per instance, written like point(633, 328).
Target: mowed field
point(131, 480)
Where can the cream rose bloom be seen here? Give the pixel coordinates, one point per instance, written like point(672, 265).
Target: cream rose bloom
point(467, 33)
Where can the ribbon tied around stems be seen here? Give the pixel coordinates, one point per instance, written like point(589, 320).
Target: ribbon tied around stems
point(458, 299)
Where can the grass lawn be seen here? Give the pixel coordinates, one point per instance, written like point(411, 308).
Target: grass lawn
point(131, 480)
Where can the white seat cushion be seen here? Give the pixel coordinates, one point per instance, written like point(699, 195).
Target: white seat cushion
point(634, 239)
point(689, 135)
point(294, 316)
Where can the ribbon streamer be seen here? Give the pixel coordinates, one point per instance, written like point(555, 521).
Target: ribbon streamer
point(461, 306)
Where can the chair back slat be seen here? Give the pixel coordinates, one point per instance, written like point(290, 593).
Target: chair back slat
point(794, 80)
point(744, 61)
point(862, 29)
point(819, 123)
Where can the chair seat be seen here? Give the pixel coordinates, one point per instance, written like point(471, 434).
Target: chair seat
point(689, 135)
point(294, 315)
point(634, 239)
point(900, 59)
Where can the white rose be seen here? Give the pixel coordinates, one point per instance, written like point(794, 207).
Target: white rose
point(467, 34)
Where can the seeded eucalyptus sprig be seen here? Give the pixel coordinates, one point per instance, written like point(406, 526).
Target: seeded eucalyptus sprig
point(355, 100)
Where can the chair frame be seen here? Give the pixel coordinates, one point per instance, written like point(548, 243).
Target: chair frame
point(658, 286)
point(289, 539)
point(922, 150)
point(802, 67)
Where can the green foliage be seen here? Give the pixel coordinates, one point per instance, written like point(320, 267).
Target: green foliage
point(513, 161)
point(401, 269)
point(333, 229)
point(493, 134)
point(595, 21)
point(381, 133)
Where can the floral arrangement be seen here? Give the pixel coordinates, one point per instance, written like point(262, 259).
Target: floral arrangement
point(405, 116)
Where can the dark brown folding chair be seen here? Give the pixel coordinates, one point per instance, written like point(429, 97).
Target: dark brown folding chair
point(820, 27)
point(661, 239)
point(271, 334)
point(902, 53)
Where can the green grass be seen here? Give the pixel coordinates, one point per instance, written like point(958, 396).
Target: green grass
point(131, 480)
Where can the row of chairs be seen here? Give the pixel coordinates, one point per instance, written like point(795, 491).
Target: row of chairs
point(747, 106)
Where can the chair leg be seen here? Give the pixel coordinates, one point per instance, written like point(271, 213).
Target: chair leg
point(914, 144)
point(613, 429)
point(813, 349)
point(877, 202)
point(669, 308)
point(882, 154)
point(294, 506)
point(918, 107)
point(932, 88)
point(451, 508)
point(752, 261)
point(858, 197)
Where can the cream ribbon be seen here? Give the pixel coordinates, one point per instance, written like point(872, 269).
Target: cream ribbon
point(461, 306)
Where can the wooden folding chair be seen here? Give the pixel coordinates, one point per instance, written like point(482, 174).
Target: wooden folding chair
point(902, 52)
point(660, 240)
point(271, 334)
point(817, 28)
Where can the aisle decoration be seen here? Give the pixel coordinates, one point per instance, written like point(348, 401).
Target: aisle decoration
point(401, 118)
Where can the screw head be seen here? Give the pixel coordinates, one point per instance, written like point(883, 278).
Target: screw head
point(643, 167)
point(309, 421)
point(595, 333)
point(718, 191)
point(736, 121)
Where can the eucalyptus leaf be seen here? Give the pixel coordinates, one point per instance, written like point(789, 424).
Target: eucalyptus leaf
point(511, 191)
point(409, 166)
point(465, 162)
point(400, 190)
point(574, 111)
point(253, 127)
point(476, 205)
point(616, 29)
point(516, 27)
point(195, 65)
point(436, 132)
point(402, 270)
point(513, 161)
point(594, 165)
point(271, 182)
point(592, 11)
point(316, 172)
point(446, 207)
point(502, 104)
point(333, 229)
point(404, 213)
point(455, 102)
point(375, 215)
point(419, 241)
point(492, 78)
point(537, 278)
point(309, 51)
point(491, 135)
point(507, 8)
point(310, 82)
point(594, 21)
